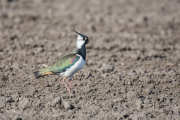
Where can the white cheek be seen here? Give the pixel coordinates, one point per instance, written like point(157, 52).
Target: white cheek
point(79, 43)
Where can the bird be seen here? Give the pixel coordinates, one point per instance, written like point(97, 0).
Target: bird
point(68, 65)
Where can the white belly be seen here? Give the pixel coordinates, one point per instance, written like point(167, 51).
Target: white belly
point(76, 67)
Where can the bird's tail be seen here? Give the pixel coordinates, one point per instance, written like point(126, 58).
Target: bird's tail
point(42, 72)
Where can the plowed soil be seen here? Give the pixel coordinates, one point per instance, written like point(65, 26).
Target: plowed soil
point(132, 65)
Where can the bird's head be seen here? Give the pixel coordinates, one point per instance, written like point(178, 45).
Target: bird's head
point(81, 39)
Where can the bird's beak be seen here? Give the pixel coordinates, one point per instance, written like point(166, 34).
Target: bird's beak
point(89, 43)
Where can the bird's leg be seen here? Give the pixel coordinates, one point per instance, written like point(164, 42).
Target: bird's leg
point(70, 84)
point(66, 85)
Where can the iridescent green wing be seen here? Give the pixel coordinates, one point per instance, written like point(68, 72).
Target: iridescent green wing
point(64, 63)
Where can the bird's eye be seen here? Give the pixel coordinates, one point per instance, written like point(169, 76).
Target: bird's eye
point(84, 38)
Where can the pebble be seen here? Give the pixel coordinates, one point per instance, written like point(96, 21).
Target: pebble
point(87, 74)
point(66, 105)
point(57, 100)
point(152, 53)
point(2, 105)
point(31, 90)
point(138, 104)
point(131, 94)
point(15, 66)
point(49, 98)
point(176, 110)
point(23, 102)
point(147, 91)
point(107, 68)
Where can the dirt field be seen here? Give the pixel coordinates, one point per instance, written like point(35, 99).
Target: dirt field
point(131, 70)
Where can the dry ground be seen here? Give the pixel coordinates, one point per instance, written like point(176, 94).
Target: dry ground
point(131, 71)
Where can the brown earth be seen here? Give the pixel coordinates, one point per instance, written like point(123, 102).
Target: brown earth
point(131, 71)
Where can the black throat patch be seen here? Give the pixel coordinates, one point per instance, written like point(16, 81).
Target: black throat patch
point(82, 52)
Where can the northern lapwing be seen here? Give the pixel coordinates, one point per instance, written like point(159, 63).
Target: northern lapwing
point(68, 65)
